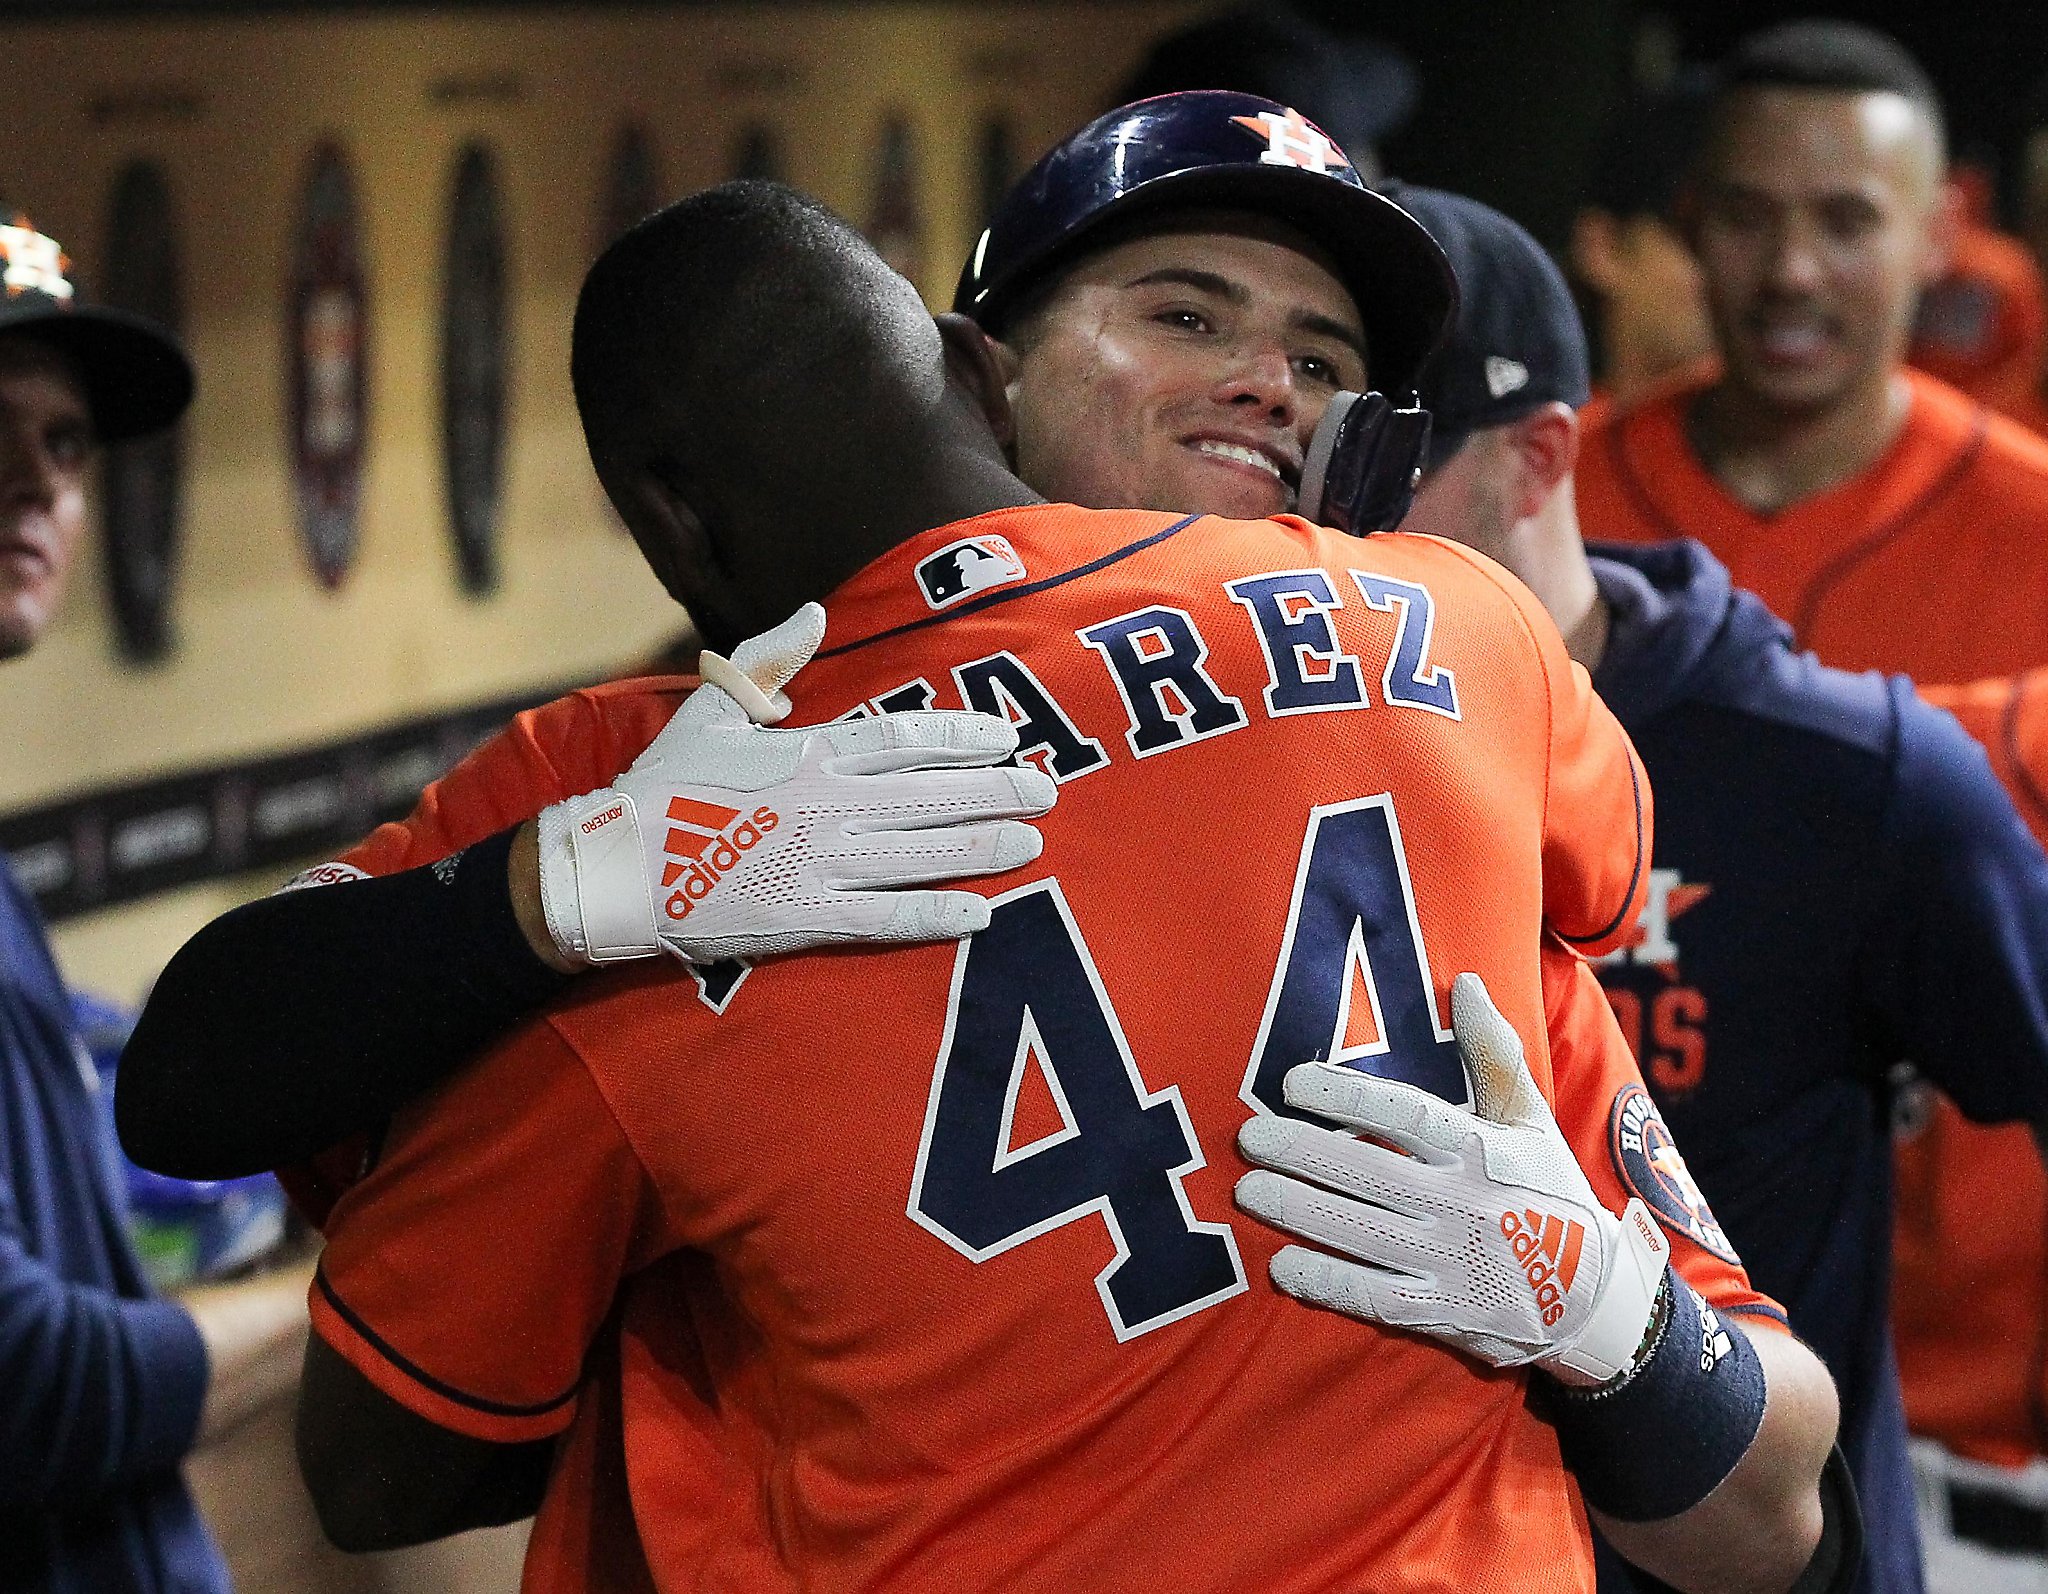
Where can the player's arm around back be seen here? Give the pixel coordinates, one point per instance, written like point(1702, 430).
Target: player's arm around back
point(1764, 1525)
point(1699, 1445)
point(292, 1023)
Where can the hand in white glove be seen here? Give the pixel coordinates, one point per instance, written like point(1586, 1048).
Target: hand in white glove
point(729, 840)
point(1480, 1229)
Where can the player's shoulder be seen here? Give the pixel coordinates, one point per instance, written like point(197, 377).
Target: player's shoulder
point(1858, 710)
point(1463, 583)
point(632, 694)
point(1651, 408)
point(1452, 563)
point(1999, 454)
point(2018, 451)
point(1982, 706)
point(620, 711)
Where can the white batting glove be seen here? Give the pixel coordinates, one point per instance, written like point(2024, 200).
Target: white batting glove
point(1480, 1229)
point(729, 840)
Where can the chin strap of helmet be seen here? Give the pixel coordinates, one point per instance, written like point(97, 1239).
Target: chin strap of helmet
point(1363, 464)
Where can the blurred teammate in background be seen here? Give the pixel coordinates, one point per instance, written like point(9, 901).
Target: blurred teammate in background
point(1649, 318)
point(1982, 325)
point(1839, 883)
point(103, 1388)
point(1892, 521)
point(1970, 1295)
point(2032, 182)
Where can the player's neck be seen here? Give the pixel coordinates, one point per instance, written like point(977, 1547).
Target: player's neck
point(1633, 360)
point(950, 481)
point(1548, 555)
point(1769, 459)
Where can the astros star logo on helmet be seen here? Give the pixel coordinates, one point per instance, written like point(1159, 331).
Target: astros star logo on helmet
point(1293, 140)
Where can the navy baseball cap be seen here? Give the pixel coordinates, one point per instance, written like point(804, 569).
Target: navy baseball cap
point(1218, 150)
point(137, 378)
point(1516, 342)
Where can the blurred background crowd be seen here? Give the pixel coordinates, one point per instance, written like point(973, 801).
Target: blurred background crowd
point(375, 532)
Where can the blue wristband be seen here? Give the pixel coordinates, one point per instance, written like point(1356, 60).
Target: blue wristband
point(1657, 1442)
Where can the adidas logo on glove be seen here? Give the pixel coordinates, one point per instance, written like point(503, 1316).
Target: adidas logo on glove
point(1548, 1248)
point(700, 827)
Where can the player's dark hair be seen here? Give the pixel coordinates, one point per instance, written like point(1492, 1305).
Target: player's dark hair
point(747, 358)
point(744, 292)
point(1844, 57)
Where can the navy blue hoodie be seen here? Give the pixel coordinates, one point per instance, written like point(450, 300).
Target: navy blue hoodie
point(100, 1386)
point(1840, 885)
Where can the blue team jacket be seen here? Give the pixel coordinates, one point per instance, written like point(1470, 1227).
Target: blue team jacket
point(1840, 886)
point(100, 1386)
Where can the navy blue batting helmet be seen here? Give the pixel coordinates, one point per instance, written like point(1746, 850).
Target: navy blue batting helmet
point(1213, 149)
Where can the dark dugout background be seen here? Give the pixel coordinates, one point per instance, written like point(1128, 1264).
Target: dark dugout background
point(1513, 94)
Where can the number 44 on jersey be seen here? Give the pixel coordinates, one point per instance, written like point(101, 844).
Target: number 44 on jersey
point(1027, 990)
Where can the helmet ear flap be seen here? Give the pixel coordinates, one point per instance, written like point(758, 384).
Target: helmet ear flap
point(1363, 464)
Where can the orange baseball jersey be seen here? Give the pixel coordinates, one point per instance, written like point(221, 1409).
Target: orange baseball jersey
point(947, 1229)
point(1933, 562)
point(1970, 1235)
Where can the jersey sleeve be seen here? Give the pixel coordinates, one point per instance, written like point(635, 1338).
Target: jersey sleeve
point(1596, 810)
point(562, 749)
point(547, 754)
point(1958, 957)
point(468, 1274)
point(1603, 1109)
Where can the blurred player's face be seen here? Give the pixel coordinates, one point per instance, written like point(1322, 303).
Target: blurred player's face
point(1817, 226)
point(1184, 371)
point(1649, 285)
point(45, 441)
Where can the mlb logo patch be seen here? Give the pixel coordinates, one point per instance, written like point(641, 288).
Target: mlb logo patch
point(961, 569)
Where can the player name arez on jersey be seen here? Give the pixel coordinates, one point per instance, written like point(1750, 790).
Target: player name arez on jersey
point(947, 1229)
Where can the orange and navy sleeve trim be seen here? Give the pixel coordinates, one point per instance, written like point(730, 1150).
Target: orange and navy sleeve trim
point(396, 1375)
point(2020, 778)
point(1635, 878)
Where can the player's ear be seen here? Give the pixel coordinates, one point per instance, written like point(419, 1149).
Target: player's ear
point(1547, 444)
point(1944, 223)
point(978, 365)
point(656, 503)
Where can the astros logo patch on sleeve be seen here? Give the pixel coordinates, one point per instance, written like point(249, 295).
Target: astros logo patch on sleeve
point(1648, 1162)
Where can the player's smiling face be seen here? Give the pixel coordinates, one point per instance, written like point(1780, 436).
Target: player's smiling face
point(1184, 370)
point(1816, 230)
point(45, 443)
